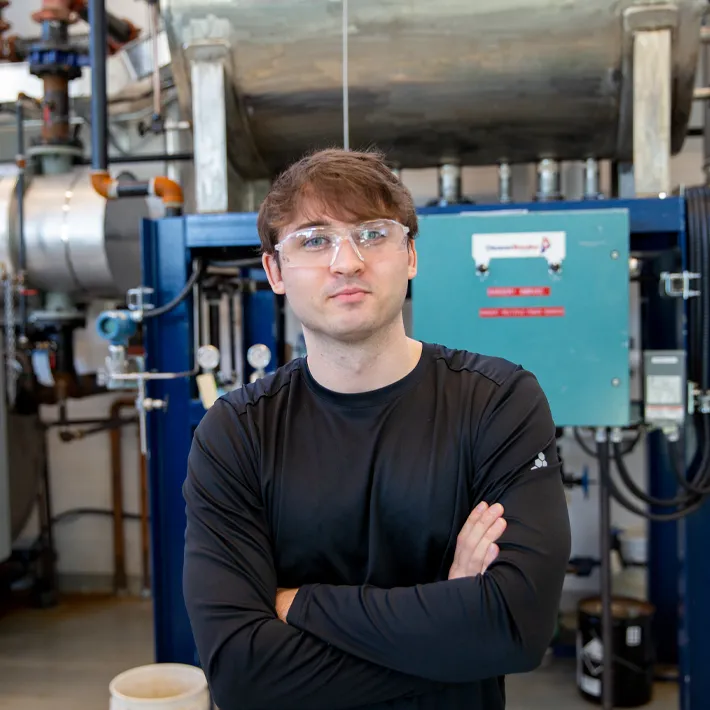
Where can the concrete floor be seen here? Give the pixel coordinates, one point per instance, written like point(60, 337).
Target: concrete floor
point(64, 659)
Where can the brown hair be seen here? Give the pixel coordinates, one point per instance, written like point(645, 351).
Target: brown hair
point(349, 185)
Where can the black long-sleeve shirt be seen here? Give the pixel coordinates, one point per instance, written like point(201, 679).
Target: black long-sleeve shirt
point(357, 500)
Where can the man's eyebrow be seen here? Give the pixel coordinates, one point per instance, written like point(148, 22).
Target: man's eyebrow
point(306, 225)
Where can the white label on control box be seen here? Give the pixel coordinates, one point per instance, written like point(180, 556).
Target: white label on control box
point(551, 246)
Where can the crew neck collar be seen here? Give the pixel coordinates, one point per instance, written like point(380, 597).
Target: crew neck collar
point(371, 398)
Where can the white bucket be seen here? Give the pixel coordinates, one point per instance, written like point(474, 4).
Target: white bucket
point(163, 686)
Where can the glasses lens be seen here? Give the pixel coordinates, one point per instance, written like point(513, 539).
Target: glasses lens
point(309, 247)
point(316, 246)
point(380, 235)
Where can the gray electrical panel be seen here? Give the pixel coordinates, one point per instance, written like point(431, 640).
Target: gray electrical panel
point(665, 387)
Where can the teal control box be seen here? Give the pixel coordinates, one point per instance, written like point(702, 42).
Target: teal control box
point(546, 290)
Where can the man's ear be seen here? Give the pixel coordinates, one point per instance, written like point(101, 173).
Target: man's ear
point(412, 259)
point(273, 273)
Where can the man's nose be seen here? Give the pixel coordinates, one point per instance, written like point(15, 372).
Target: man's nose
point(347, 259)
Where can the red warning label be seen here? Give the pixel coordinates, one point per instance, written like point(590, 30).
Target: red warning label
point(549, 312)
point(508, 291)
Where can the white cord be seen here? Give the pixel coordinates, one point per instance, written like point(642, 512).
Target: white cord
point(346, 103)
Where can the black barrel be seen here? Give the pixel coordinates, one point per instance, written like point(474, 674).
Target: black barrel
point(633, 654)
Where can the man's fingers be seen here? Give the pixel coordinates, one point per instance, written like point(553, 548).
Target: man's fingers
point(472, 560)
point(482, 527)
point(467, 529)
point(473, 518)
point(490, 557)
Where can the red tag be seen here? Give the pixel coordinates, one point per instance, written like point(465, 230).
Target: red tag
point(549, 312)
point(508, 291)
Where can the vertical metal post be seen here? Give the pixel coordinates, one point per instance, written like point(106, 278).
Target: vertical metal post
point(591, 179)
point(209, 115)
point(22, 260)
point(98, 37)
point(548, 181)
point(449, 184)
point(505, 190)
point(652, 112)
point(602, 440)
point(5, 517)
point(168, 346)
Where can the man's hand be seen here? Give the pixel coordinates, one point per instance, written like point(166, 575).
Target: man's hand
point(476, 544)
point(284, 599)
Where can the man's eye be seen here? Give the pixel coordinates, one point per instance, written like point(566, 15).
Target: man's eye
point(319, 242)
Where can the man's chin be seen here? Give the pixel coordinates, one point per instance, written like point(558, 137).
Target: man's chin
point(349, 330)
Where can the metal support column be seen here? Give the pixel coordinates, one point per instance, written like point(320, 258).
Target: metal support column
point(168, 341)
point(651, 28)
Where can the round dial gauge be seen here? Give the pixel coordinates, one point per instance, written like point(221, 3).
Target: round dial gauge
point(208, 357)
point(258, 356)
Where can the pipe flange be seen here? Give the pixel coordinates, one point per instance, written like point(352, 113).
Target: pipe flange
point(54, 149)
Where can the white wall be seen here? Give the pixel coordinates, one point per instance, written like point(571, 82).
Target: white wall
point(80, 471)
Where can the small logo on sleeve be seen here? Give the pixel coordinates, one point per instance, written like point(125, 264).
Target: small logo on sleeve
point(540, 462)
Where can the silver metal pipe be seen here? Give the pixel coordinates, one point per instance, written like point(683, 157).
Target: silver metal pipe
point(591, 179)
point(505, 187)
point(154, 23)
point(450, 183)
point(548, 180)
point(701, 93)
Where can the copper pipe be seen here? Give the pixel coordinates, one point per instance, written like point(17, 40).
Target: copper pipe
point(103, 183)
point(145, 533)
point(55, 111)
point(109, 188)
point(120, 578)
point(168, 190)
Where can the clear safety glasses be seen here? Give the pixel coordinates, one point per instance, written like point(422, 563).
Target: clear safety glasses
point(319, 246)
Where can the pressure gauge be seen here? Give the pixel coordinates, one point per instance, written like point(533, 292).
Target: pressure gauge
point(208, 357)
point(259, 356)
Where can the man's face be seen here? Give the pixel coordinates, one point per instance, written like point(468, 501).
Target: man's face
point(350, 299)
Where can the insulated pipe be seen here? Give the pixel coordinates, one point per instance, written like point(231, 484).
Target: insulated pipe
point(98, 37)
point(166, 189)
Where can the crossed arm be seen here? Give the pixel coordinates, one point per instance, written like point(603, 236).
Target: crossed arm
point(348, 646)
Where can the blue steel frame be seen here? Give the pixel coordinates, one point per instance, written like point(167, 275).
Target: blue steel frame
point(169, 245)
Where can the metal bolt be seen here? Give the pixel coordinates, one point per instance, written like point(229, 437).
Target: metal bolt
point(615, 382)
point(615, 254)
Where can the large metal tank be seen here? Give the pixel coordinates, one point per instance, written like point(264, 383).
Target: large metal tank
point(76, 241)
point(479, 81)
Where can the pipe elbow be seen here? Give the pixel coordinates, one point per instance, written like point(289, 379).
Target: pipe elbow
point(103, 184)
point(168, 190)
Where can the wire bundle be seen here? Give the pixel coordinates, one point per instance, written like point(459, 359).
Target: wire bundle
point(694, 484)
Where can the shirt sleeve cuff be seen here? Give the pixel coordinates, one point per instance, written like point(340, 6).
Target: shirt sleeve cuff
point(297, 611)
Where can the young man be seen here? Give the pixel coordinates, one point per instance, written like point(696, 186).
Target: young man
point(343, 512)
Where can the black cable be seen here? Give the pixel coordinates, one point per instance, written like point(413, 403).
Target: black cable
point(622, 500)
point(694, 311)
point(679, 500)
point(704, 271)
point(187, 288)
point(700, 483)
point(627, 448)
